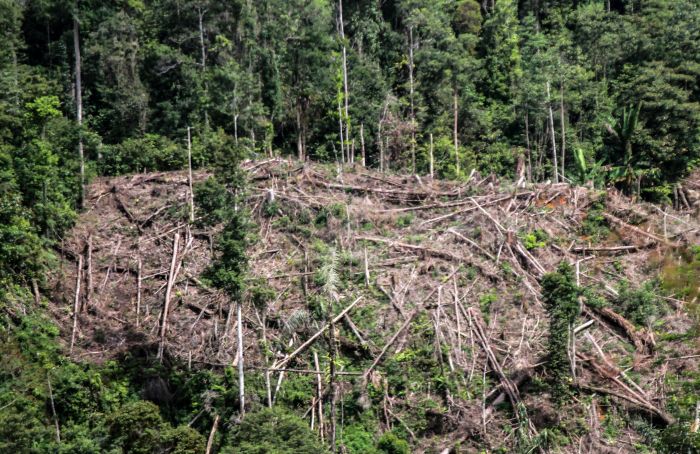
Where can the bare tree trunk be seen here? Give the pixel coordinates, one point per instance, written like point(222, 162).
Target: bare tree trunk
point(362, 144)
point(527, 144)
point(210, 441)
point(76, 302)
point(563, 130)
point(53, 411)
point(345, 75)
point(432, 158)
point(79, 107)
point(88, 282)
point(381, 147)
point(554, 140)
point(241, 378)
point(138, 289)
point(342, 140)
point(300, 143)
point(319, 394)
point(168, 292)
point(189, 174)
point(411, 88)
point(454, 132)
point(332, 385)
point(203, 57)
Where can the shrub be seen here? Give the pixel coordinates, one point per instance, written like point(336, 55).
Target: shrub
point(561, 301)
point(639, 305)
point(273, 431)
point(389, 443)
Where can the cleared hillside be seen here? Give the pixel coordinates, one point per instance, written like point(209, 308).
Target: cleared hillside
point(447, 331)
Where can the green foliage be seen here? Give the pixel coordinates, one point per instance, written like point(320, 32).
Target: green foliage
point(640, 305)
point(404, 221)
point(148, 153)
point(560, 295)
point(389, 443)
point(594, 224)
point(357, 440)
point(678, 439)
point(273, 431)
point(535, 239)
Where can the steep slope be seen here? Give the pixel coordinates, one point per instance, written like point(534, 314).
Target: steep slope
point(445, 340)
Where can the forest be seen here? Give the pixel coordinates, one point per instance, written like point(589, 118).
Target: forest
point(355, 226)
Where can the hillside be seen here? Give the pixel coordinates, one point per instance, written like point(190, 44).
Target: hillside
point(444, 328)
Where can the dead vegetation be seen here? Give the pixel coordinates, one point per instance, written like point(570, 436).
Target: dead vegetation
point(462, 260)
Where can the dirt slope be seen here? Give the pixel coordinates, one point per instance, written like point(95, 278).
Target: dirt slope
point(448, 279)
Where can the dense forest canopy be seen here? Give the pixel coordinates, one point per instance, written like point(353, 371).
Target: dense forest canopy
point(550, 82)
point(597, 92)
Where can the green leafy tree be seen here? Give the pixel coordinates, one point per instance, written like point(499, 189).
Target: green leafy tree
point(560, 295)
point(273, 431)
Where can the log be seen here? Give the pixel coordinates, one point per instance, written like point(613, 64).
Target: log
point(641, 338)
point(637, 230)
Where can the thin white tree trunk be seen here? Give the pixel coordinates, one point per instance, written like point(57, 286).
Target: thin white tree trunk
point(554, 140)
point(76, 302)
point(241, 378)
point(413, 111)
point(563, 131)
point(210, 441)
point(454, 129)
point(362, 144)
point(168, 291)
point(79, 107)
point(345, 76)
point(189, 168)
point(432, 158)
point(319, 395)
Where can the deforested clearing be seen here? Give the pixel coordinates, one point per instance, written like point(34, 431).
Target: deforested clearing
point(429, 294)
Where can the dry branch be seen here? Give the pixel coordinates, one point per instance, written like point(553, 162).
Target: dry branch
point(305, 345)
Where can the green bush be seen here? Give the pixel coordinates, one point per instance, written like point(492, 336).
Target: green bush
point(148, 153)
point(135, 427)
point(560, 295)
point(640, 305)
point(535, 239)
point(357, 440)
point(389, 443)
point(273, 431)
point(678, 439)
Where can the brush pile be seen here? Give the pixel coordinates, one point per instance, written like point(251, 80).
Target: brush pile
point(436, 309)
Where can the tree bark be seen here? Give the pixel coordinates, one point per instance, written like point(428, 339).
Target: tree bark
point(563, 130)
point(362, 144)
point(189, 174)
point(210, 441)
point(79, 107)
point(345, 75)
point(432, 157)
point(554, 140)
point(76, 302)
point(168, 292)
point(527, 144)
point(411, 88)
point(454, 131)
point(241, 377)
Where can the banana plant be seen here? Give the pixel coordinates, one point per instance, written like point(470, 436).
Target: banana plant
point(624, 130)
point(588, 173)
